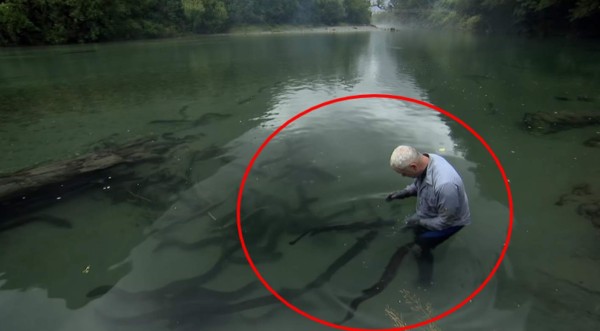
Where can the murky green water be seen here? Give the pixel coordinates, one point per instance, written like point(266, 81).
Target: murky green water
point(153, 246)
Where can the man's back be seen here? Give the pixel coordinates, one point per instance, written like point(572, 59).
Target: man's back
point(442, 202)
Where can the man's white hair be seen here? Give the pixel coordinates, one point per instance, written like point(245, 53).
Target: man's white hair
point(403, 156)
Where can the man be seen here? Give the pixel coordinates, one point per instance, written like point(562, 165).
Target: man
point(442, 204)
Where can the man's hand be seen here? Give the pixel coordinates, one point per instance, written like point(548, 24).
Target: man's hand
point(397, 195)
point(412, 221)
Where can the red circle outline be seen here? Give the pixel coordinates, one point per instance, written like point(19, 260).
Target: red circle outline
point(367, 96)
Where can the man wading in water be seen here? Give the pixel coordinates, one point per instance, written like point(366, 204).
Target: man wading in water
point(442, 210)
point(442, 204)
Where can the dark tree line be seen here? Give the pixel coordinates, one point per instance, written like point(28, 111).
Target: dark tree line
point(33, 22)
point(539, 17)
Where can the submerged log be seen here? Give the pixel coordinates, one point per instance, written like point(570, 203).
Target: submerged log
point(546, 123)
point(592, 142)
point(27, 181)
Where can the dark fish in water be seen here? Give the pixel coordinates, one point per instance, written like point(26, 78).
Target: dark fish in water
point(169, 121)
point(171, 137)
point(361, 244)
point(80, 51)
point(304, 201)
point(388, 275)
point(591, 211)
point(334, 215)
point(559, 98)
point(491, 108)
point(261, 89)
point(99, 291)
point(177, 222)
point(210, 118)
point(578, 191)
point(169, 243)
point(183, 112)
point(581, 189)
point(585, 99)
point(56, 222)
point(592, 142)
point(226, 159)
point(209, 153)
point(185, 304)
point(212, 152)
point(274, 160)
point(478, 78)
point(346, 227)
point(51, 220)
point(269, 257)
point(216, 269)
point(306, 173)
point(243, 101)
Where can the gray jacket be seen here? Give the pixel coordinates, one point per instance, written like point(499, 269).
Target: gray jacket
point(441, 198)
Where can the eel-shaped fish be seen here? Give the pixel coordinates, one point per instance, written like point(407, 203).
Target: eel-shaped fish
point(346, 227)
point(388, 275)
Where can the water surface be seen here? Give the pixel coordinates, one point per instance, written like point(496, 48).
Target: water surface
point(153, 246)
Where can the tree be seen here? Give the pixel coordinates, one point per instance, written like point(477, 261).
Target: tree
point(330, 12)
point(584, 9)
point(206, 15)
point(358, 11)
point(14, 24)
point(279, 11)
point(243, 12)
point(215, 19)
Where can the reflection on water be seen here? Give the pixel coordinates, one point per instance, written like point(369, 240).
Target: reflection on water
point(154, 246)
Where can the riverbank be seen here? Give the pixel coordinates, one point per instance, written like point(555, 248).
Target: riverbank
point(238, 30)
point(289, 29)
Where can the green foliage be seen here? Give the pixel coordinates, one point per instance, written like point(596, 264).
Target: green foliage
point(357, 11)
point(471, 22)
point(306, 13)
point(585, 8)
point(537, 16)
point(78, 21)
point(279, 11)
point(330, 12)
point(206, 15)
point(215, 16)
point(243, 12)
point(411, 5)
point(24, 22)
point(193, 9)
point(463, 14)
point(14, 24)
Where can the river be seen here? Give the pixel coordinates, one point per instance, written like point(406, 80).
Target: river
point(153, 246)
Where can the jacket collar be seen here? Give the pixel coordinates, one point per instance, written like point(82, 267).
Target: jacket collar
point(429, 171)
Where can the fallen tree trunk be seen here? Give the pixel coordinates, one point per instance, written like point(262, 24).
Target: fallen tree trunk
point(546, 123)
point(27, 181)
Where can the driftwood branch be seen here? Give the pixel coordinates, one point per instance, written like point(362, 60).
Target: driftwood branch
point(26, 181)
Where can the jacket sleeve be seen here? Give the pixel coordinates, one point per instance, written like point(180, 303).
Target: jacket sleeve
point(411, 190)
